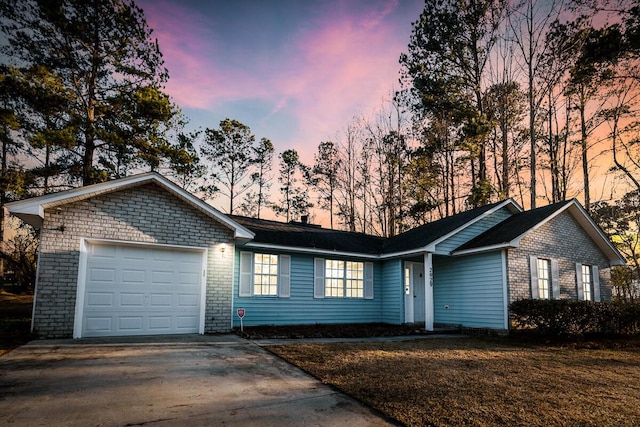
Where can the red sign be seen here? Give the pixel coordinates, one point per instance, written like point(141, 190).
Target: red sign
point(241, 313)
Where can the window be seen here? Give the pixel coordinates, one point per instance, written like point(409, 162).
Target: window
point(342, 279)
point(265, 274)
point(544, 277)
point(334, 275)
point(354, 285)
point(587, 280)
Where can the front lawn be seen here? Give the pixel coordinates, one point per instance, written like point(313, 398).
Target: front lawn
point(482, 381)
point(15, 320)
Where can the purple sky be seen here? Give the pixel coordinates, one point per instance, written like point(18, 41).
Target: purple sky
point(295, 71)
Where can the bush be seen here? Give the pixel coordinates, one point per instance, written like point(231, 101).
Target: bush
point(577, 319)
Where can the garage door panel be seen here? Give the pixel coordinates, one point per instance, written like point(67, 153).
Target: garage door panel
point(130, 299)
point(164, 256)
point(163, 277)
point(98, 274)
point(161, 300)
point(189, 278)
point(160, 323)
point(98, 325)
point(103, 252)
point(130, 323)
point(99, 299)
point(187, 322)
point(133, 276)
point(132, 253)
point(141, 290)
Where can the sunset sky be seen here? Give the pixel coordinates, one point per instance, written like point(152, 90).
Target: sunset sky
point(294, 71)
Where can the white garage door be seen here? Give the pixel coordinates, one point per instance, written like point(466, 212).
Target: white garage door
point(141, 290)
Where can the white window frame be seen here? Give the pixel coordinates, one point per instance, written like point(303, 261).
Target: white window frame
point(247, 278)
point(338, 278)
point(334, 275)
point(363, 276)
point(265, 274)
point(544, 278)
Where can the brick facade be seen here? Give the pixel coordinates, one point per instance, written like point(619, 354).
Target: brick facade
point(563, 239)
point(146, 214)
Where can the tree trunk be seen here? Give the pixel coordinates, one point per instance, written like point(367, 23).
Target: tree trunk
point(584, 148)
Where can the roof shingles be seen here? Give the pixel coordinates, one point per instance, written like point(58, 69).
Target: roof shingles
point(513, 227)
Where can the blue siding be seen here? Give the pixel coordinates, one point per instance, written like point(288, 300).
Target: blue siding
point(392, 292)
point(301, 307)
point(474, 230)
point(472, 287)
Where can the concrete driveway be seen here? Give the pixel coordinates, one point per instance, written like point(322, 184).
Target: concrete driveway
point(188, 380)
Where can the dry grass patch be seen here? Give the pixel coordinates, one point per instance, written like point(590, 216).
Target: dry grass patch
point(481, 381)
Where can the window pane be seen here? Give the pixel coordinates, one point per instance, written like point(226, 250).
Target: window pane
point(587, 280)
point(544, 277)
point(265, 278)
point(354, 284)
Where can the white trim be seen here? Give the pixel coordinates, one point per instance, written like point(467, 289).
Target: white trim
point(428, 292)
point(294, 249)
point(409, 310)
point(82, 275)
point(35, 285)
point(80, 288)
point(95, 241)
point(418, 251)
point(203, 291)
point(482, 249)
point(505, 289)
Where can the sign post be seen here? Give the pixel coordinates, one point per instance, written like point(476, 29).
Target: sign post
point(240, 313)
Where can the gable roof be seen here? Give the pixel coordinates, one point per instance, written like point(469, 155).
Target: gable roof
point(308, 237)
point(32, 210)
point(311, 238)
point(430, 234)
point(509, 232)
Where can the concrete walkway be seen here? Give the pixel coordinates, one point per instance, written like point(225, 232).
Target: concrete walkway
point(285, 341)
point(189, 380)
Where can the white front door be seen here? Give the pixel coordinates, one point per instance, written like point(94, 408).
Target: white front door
point(141, 290)
point(414, 292)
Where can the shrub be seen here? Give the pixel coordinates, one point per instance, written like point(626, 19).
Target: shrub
point(578, 319)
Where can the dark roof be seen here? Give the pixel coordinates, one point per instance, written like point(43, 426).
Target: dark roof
point(513, 227)
point(423, 235)
point(314, 237)
point(310, 236)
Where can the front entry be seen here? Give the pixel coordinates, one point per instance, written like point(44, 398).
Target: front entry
point(414, 302)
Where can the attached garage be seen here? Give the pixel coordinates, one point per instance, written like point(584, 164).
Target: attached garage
point(139, 289)
point(133, 256)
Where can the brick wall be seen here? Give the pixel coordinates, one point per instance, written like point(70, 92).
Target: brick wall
point(142, 214)
point(561, 238)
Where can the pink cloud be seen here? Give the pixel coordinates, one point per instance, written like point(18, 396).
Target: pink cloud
point(336, 64)
point(347, 66)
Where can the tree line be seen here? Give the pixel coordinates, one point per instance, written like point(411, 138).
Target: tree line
point(497, 99)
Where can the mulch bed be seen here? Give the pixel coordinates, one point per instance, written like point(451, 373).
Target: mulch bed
point(367, 330)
